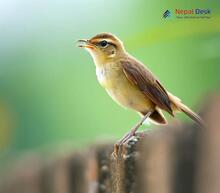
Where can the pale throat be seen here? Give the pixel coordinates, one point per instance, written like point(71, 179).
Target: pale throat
point(97, 57)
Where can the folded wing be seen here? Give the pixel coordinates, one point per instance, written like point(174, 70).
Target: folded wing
point(147, 83)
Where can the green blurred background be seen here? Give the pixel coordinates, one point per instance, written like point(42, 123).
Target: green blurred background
point(49, 94)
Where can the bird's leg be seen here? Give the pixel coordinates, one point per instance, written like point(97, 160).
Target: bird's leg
point(134, 129)
point(132, 133)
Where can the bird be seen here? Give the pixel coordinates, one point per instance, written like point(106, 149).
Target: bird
point(131, 84)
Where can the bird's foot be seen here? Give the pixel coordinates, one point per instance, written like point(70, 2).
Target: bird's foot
point(122, 142)
point(120, 146)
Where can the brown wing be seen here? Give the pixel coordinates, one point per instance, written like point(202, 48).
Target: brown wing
point(147, 83)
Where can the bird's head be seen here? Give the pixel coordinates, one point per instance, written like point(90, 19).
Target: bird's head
point(103, 47)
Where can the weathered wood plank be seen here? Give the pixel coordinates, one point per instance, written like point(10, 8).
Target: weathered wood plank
point(208, 174)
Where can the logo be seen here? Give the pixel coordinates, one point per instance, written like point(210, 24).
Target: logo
point(188, 13)
point(166, 14)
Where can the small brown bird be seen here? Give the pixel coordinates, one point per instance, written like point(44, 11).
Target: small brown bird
point(130, 83)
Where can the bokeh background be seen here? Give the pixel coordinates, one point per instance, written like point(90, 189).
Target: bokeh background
point(49, 95)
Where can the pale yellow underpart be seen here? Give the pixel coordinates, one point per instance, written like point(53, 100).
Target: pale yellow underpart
point(121, 89)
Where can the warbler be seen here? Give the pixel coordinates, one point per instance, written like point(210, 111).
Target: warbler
point(130, 83)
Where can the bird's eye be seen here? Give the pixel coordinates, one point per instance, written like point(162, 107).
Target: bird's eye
point(103, 43)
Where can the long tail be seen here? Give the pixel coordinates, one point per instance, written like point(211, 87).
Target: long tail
point(179, 106)
point(191, 114)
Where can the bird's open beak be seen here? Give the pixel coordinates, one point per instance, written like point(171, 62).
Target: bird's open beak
point(83, 43)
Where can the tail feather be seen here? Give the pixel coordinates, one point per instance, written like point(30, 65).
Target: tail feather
point(179, 106)
point(191, 114)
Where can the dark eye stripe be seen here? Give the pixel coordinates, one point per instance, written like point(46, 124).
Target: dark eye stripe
point(112, 44)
